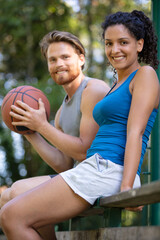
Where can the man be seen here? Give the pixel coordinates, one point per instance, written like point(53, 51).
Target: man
point(74, 127)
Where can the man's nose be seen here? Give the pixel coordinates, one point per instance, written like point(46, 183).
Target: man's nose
point(59, 62)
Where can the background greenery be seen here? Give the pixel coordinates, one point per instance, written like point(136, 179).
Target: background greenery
point(22, 25)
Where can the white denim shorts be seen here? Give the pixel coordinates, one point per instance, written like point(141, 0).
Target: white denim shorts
point(95, 178)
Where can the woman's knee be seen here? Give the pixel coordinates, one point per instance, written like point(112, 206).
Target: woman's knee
point(7, 217)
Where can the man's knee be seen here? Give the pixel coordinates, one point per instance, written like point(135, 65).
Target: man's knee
point(5, 197)
point(16, 189)
point(20, 187)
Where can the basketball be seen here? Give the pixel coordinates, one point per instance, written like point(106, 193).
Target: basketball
point(28, 95)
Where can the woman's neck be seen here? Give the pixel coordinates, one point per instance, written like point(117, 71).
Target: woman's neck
point(123, 75)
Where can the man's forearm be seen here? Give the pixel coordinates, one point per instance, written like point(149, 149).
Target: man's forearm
point(52, 156)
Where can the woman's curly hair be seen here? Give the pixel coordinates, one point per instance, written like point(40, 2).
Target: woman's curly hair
point(140, 27)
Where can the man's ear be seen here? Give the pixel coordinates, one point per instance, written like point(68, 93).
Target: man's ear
point(82, 59)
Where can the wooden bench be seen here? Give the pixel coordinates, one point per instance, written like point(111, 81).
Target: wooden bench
point(145, 195)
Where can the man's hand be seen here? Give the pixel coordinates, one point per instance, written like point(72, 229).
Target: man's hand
point(27, 116)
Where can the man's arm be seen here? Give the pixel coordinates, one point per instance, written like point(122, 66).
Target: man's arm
point(52, 156)
point(75, 147)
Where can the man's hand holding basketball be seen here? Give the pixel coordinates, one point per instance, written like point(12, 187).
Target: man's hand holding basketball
point(27, 116)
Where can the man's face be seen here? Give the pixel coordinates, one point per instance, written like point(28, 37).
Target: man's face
point(64, 64)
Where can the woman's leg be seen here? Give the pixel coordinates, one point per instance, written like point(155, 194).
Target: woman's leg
point(51, 202)
point(22, 186)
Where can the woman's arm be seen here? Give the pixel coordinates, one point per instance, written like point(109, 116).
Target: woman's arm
point(145, 97)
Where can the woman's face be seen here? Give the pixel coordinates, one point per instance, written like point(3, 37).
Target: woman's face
point(121, 47)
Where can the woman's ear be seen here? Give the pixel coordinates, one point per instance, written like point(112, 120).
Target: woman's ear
point(140, 44)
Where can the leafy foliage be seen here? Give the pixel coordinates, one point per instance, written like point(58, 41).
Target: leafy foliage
point(22, 25)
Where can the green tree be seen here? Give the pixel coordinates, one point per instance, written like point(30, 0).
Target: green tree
point(22, 25)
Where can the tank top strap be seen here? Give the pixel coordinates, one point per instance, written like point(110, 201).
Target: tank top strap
point(84, 82)
point(126, 82)
point(131, 76)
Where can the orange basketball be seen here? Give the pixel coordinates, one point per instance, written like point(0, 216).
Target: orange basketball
point(28, 95)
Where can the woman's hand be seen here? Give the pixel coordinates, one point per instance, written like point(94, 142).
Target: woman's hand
point(27, 116)
point(133, 209)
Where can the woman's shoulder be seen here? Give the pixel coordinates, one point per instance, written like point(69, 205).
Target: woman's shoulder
point(147, 69)
point(146, 74)
point(145, 78)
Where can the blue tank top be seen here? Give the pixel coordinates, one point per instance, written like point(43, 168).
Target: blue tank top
point(111, 114)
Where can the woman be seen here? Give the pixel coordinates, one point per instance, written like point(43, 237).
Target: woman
point(125, 116)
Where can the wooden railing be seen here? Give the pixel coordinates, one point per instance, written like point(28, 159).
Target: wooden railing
point(145, 195)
